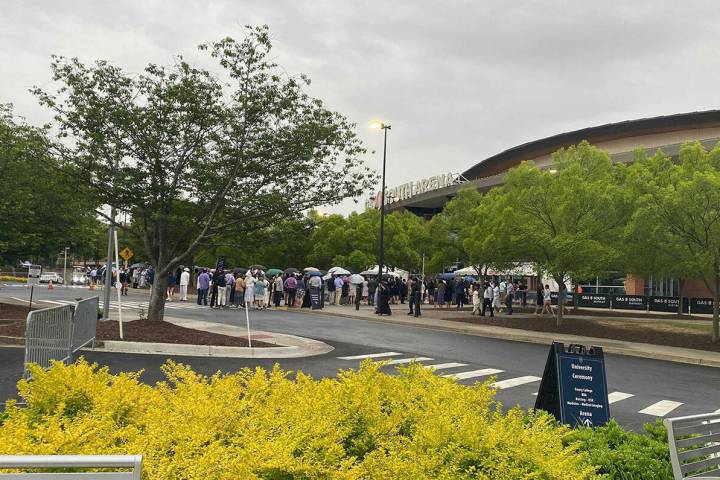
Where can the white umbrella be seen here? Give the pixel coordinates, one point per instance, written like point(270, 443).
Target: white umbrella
point(327, 277)
point(310, 269)
point(339, 271)
point(356, 279)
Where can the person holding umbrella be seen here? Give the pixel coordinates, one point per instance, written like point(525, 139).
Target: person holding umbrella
point(356, 289)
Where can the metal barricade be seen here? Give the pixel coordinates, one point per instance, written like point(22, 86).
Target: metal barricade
point(48, 336)
point(132, 462)
point(85, 323)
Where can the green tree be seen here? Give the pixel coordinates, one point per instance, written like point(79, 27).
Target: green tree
point(567, 220)
point(684, 199)
point(193, 157)
point(42, 211)
point(649, 247)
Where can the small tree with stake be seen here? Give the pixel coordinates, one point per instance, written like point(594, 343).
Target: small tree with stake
point(192, 156)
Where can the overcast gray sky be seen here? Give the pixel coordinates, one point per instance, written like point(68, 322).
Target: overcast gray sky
point(458, 80)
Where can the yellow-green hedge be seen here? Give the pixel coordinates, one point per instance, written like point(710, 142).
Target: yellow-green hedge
point(263, 425)
point(11, 278)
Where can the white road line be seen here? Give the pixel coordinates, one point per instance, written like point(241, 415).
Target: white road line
point(22, 299)
point(473, 373)
point(400, 361)
point(618, 396)
point(514, 382)
point(717, 411)
point(661, 408)
point(371, 355)
point(440, 366)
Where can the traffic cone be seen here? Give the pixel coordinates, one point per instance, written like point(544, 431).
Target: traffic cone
point(50, 285)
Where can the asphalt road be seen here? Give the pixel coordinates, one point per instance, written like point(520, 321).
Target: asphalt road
point(641, 389)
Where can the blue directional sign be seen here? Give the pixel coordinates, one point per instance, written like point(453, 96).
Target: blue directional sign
point(573, 387)
point(583, 390)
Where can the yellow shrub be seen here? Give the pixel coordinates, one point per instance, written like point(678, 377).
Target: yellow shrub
point(11, 278)
point(255, 424)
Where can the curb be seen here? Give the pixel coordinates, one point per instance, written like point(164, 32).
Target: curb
point(641, 350)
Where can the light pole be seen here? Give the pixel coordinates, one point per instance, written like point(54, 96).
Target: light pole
point(381, 255)
point(65, 268)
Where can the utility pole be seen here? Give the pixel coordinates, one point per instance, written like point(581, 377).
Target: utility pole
point(381, 255)
point(108, 267)
point(65, 281)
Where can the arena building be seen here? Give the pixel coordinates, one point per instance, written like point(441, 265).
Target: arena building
point(667, 133)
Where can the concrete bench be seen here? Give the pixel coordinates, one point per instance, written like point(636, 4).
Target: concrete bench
point(16, 462)
point(694, 443)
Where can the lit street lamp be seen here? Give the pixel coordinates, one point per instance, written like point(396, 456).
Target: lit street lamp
point(381, 255)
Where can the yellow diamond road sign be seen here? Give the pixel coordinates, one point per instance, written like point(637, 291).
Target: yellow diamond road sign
point(126, 253)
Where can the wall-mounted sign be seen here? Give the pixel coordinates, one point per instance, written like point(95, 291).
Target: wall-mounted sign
point(411, 189)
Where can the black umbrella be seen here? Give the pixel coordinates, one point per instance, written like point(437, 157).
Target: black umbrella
point(291, 270)
point(239, 270)
point(257, 267)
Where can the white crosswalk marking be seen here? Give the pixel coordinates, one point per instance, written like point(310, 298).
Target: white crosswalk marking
point(514, 382)
point(441, 366)
point(661, 408)
point(618, 396)
point(473, 373)
point(400, 361)
point(371, 355)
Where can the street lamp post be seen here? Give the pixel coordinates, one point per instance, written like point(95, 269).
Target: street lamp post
point(65, 268)
point(381, 255)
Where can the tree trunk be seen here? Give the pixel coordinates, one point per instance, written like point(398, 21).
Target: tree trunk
point(716, 309)
point(561, 299)
point(681, 284)
point(576, 299)
point(156, 309)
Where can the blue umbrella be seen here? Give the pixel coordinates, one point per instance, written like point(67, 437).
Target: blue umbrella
point(313, 274)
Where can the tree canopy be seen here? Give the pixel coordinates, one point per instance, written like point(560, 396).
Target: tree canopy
point(193, 156)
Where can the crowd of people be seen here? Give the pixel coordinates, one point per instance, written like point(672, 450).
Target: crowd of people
point(220, 288)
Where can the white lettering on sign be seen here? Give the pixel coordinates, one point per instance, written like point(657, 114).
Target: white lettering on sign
point(411, 189)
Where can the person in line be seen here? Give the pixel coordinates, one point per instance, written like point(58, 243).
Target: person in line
point(539, 298)
point(431, 291)
point(260, 287)
point(213, 288)
point(372, 287)
point(339, 284)
point(330, 286)
point(300, 289)
point(135, 278)
point(184, 282)
point(460, 293)
point(291, 290)
point(440, 294)
point(477, 304)
point(221, 285)
point(523, 293)
point(383, 303)
point(352, 290)
point(239, 299)
point(509, 296)
point(249, 289)
point(503, 291)
point(496, 297)
point(365, 292)
point(547, 301)
point(416, 296)
point(277, 290)
point(488, 297)
point(170, 286)
point(357, 297)
point(203, 283)
point(229, 289)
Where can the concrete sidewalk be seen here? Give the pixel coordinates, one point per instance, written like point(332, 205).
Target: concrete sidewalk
point(431, 319)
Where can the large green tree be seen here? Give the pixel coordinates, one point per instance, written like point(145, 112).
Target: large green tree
point(41, 211)
point(682, 201)
point(192, 156)
point(566, 219)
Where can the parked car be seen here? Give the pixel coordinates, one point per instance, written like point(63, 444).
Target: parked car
point(48, 277)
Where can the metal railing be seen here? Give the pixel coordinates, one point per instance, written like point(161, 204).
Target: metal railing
point(133, 462)
point(48, 336)
point(694, 443)
point(85, 322)
point(57, 333)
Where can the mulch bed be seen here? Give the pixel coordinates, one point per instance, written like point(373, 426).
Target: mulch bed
point(611, 329)
point(9, 311)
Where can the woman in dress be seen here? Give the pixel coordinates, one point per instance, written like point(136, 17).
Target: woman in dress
point(440, 294)
point(260, 293)
point(383, 306)
point(249, 290)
